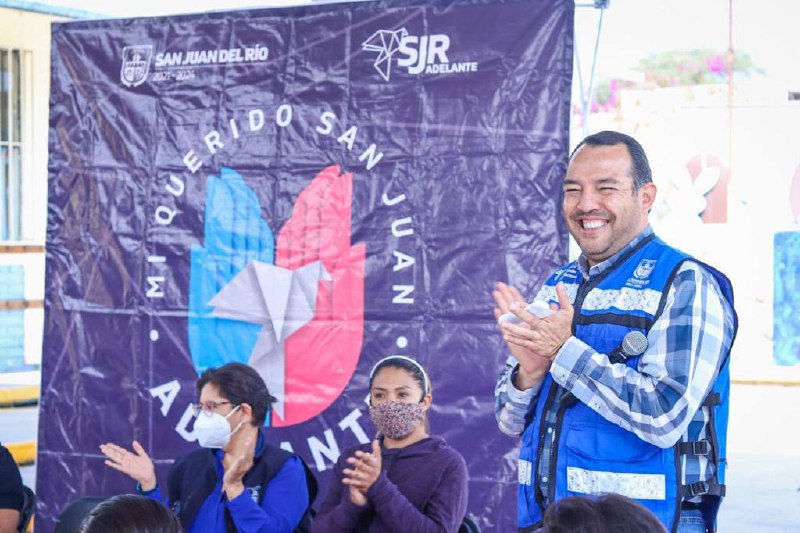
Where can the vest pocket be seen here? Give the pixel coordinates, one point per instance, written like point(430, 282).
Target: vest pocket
point(603, 458)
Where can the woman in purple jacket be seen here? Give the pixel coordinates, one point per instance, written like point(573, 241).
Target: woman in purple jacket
point(406, 480)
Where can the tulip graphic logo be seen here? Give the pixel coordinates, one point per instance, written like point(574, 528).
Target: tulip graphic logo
point(293, 311)
point(385, 43)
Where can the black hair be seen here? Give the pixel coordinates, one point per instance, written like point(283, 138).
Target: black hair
point(607, 513)
point(640, 166)
point(239, 383)
point(130, 513)
point(405, 363)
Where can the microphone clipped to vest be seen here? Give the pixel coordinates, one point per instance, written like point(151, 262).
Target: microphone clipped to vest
point(633, 344)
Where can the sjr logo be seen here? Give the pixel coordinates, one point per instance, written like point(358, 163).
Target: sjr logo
point(293, 311)
point(418, 54)
point(422, 51)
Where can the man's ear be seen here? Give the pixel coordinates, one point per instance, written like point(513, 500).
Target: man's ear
point(647, 193)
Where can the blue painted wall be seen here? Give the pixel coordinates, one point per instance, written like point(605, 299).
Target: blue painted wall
point(12, 325)
point(786, 306)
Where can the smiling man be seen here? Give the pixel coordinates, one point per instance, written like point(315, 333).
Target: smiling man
point(624, 388)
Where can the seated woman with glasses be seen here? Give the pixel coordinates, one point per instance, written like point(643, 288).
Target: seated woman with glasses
point(406, 480)
point(236, 482)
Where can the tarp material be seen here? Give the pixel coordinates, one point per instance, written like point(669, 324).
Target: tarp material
point(306, 190)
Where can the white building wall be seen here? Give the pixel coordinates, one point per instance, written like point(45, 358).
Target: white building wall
point(31, 32)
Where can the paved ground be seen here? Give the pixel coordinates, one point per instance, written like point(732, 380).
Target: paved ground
point(764, 458)
point(763, 494)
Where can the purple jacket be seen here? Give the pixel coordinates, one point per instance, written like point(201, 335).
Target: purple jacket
point(421, 488)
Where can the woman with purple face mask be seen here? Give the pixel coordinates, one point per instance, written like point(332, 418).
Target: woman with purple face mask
point(405, 480)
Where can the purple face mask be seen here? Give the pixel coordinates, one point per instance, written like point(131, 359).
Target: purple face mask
point(395, 419)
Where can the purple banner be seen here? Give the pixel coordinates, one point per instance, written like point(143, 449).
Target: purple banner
point(305, 190)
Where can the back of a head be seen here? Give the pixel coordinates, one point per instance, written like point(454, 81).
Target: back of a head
point(131, 513)
point(573, 515)
point(625, 515)
point(71, 518)
point(608, 513)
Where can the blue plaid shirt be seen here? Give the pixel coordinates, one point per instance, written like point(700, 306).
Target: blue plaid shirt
point(660, 401)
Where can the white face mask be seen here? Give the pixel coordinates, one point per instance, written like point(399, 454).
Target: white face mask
point(213, 430)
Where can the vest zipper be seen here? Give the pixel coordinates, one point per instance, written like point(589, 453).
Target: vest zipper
point(542, 432)
point(583, 289)
point(556, 435)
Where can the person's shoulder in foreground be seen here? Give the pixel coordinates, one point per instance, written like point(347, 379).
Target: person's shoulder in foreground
point(11, 492)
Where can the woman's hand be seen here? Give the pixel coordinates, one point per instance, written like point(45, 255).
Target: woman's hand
point(357, 497)
point(364, 471)
point(136, 464)
point(236, 466)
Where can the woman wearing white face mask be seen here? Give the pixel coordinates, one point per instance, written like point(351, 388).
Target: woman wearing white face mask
point(406, 480)
point(236, 482)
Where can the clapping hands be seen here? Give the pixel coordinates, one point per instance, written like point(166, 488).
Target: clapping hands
point(236, 464)
point(136, 464)
point(535, 341)
point(365, 467)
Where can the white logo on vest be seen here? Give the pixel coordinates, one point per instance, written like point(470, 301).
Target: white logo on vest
point(255, 492)
point(645, 268)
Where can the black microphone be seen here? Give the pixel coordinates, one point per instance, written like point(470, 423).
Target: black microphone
point(634, 343)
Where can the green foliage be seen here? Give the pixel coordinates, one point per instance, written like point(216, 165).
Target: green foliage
point(693, 67)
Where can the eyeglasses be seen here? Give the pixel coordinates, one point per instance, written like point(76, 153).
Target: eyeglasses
point(207, 407)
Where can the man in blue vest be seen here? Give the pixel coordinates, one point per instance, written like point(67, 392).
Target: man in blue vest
point(624, 388)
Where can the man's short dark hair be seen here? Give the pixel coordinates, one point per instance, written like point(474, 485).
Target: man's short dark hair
point(239, 383)
point(640, 166)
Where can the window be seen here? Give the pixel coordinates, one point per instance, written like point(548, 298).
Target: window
point(15, 100)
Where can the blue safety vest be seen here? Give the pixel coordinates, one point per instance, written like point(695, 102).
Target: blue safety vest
point(591, 455)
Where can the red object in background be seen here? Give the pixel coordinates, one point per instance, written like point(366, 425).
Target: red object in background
point(322, 356)
point(717, 199)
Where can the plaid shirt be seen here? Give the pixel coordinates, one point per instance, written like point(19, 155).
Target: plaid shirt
point(660, 401)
